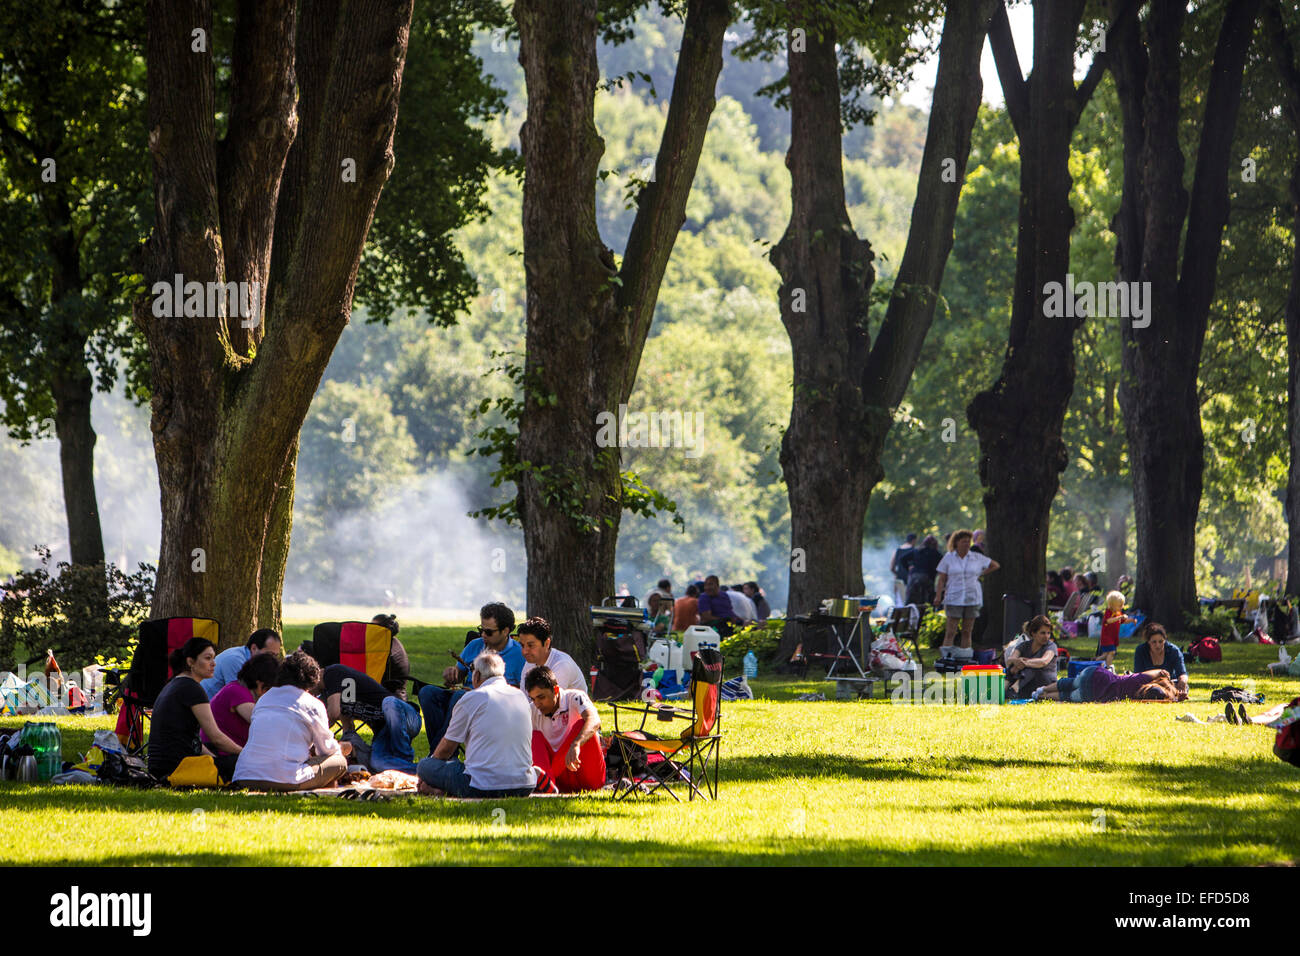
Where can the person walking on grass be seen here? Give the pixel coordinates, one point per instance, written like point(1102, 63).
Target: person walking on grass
point(957, 588)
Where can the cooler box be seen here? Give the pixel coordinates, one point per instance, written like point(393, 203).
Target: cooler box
point(693, 638)
point(982, 684)
point(1076, 668)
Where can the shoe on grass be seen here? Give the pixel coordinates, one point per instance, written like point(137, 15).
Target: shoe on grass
point(1230, 714)
point(1241, 712)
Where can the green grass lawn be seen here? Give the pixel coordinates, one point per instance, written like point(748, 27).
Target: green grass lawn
point(863, 782)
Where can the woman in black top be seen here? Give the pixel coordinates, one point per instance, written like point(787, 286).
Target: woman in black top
point(182, 709)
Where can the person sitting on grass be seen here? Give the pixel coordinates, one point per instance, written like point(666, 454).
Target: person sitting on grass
point(686, 610)
point(494, 723)
point(290, 746)
point(566, 735)
point(1031, 658)
point(182, 710)
point(1157, 653)
point(229, 661)
point(1097, 685)
point(755, 594)
point(535, 642)
point(352, 694)
point(496, 621)
point(232, 708)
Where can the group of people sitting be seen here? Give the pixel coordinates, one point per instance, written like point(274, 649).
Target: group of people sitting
point(525, 721)
point(710, 602)
point(1062, 585)
point(1159, 672)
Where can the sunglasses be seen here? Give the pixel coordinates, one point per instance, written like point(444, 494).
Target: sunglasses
point(487, 630)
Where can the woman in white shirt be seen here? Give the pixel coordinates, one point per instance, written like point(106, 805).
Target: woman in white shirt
point(290, 746)
point(957, 588)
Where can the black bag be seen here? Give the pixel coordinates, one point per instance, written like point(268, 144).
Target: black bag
point(123, 771)
point(641, 762)
point(1236, 695)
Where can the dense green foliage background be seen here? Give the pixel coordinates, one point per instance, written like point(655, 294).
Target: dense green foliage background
point(388, 472)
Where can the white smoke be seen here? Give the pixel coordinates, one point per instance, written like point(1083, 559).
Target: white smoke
point(126, 484)
point(419, 546)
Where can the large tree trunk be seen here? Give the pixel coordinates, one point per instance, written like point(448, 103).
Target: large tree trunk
point(71, 384)
point(73, 391)
point(1161, 363)
point(1284, 54)
point(1019, 419)
point(587, 319)
point(826, 454)
point(846, 389)
point(229, 400)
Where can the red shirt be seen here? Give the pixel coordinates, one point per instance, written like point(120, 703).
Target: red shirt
point(1110, 623)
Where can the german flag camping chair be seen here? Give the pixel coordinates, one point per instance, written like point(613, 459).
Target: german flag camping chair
point(150, 672)
point(691, 758)
point(361, 645)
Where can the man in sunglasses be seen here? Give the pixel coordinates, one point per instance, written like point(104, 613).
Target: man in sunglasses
point(496, 621)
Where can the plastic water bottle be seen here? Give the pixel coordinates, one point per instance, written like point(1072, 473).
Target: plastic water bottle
point(751, 665)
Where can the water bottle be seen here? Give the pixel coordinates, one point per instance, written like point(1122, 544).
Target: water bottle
point(751, 665)
point(47, 744)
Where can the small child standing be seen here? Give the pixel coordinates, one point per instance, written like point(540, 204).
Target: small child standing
point(1111, 620)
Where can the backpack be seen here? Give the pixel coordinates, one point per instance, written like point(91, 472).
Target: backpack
point(125, 771)
point(1206, 650)
point(1236, 695)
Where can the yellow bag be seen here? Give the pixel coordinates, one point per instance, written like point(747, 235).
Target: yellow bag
point(200, 771)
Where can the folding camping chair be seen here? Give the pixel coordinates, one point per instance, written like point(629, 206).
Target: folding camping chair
point(361, 645)
point(905, 625)
point(150, 672)
point(687, 756)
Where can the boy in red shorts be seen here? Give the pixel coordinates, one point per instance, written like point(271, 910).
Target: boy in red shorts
point(566, 735)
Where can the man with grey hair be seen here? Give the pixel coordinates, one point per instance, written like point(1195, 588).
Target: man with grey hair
point(495, 724)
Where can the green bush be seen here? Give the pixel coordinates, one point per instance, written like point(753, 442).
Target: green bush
point(932, 627)
point(1220, 622)
point(83, 612)
point(763, 639)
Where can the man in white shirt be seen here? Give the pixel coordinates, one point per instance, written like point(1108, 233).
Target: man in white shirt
point(957, 588)
point(742, 605)
point(494, 723)
point(534, 636)
point(566, 734)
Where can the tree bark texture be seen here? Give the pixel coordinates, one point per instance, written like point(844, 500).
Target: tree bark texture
point(1019, 419)
point(846, 389)
point(588, 316)
point(268, 204)
point(1161, 362)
